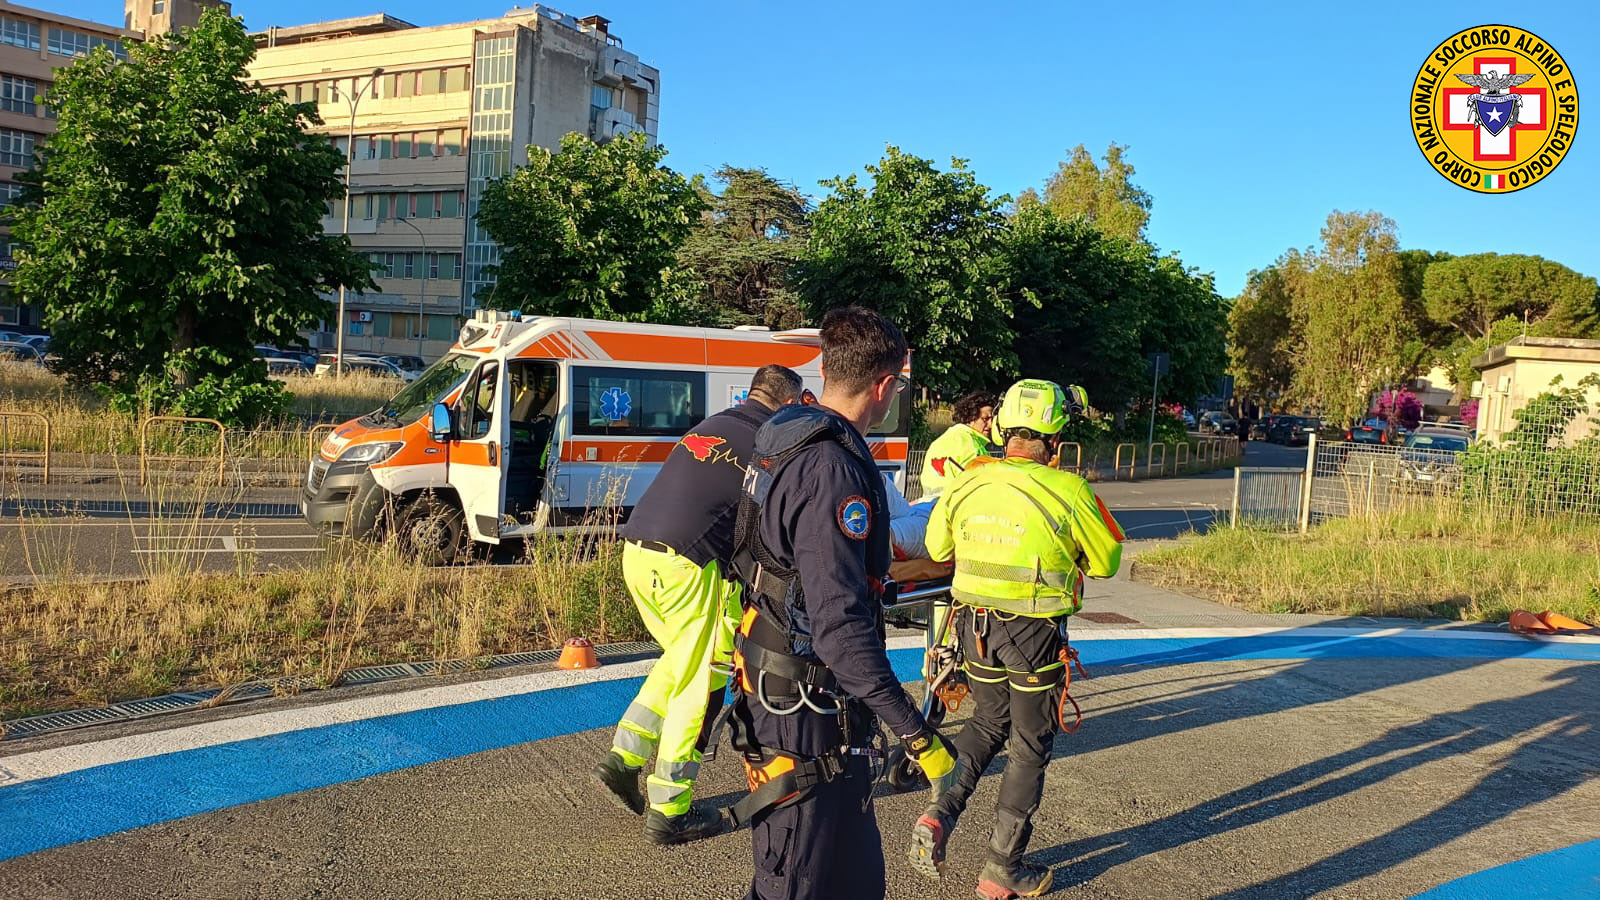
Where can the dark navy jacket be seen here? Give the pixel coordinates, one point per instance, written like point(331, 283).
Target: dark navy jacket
point(693, 501)
point(812, 522)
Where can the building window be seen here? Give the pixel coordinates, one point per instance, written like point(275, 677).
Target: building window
point(159, 7)
point(455, 79)
point(450, 205)
point(450, 142)
point(19, 33)
point(75, 43)
point(424, 141)
point(9, 193)
point(383, 206)
point(16, 148)
point(19, 94)
point(402, 146)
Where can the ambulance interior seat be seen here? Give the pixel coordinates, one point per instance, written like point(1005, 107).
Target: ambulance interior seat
point(532, 409)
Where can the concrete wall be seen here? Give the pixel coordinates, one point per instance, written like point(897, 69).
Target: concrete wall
point(1510, 385)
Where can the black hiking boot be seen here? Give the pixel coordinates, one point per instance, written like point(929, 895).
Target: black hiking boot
point(928, 839)
point(696, 824)
point(998, 881)
point(621, 781)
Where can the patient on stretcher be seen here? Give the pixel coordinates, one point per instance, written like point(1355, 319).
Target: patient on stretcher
point(908, 524)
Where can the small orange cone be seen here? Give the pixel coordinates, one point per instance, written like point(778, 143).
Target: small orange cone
point(1562, 623)
point(1524, 622)
point(578, 653)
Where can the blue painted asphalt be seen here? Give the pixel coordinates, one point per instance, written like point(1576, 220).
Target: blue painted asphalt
point(1566, 874)
point(77, 806)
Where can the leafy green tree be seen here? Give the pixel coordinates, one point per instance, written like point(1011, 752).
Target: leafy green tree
point(1106, 197)
point(1092, 305)
point(1261, 335)
point(1471, 293)
point(919, 245)
point(593, 230)
point(743, 247)
point(1350, 313)
point(174, 221)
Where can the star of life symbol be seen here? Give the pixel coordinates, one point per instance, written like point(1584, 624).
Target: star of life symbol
point(615, 404)
point(1497, 110)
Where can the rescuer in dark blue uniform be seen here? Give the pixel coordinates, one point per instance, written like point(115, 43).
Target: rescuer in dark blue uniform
point(813, 553)
point(675, 566)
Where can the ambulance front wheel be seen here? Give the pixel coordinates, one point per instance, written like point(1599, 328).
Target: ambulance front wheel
point(432, 530)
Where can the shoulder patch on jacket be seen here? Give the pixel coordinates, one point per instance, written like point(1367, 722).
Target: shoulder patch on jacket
point(855, 517)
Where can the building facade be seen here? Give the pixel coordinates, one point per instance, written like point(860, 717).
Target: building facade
point(33, 45)
point(453, 107)
point(1521, 370)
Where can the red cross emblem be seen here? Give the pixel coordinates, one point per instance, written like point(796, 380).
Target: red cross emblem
point(1487, 147)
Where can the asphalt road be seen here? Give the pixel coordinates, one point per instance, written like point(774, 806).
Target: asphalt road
point(112, 547)
point(1249, 778)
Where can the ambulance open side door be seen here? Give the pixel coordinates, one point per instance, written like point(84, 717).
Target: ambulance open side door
point(477, 452)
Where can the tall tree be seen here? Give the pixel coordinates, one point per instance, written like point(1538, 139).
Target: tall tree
point(1261, 335)
point(1471, 293)
point(1350, 313)
point(744, 246)
point(174, 221)
point(918, 244)
point(1092, 305)
point(593, 230)
point(1107, 197)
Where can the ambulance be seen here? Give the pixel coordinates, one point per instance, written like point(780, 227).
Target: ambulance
point(535, 424)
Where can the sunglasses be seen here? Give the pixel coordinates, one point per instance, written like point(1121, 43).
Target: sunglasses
point(901, 382)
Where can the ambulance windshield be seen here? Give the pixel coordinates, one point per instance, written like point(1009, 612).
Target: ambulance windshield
point(430, 387)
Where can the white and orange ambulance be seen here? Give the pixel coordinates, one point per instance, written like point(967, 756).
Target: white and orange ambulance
point(532, 424)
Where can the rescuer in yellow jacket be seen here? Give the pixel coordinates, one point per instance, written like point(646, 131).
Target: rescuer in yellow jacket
point(1024, 535)
point(965, 440)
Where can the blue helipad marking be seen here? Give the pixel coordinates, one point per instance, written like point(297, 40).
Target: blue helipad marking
point(90, 803)
point(1571, 872)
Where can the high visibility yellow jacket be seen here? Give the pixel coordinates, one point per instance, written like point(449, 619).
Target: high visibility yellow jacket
point(950, 455)
point(1024, 536)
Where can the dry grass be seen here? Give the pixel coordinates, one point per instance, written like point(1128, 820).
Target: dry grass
point(82, 423)
point(1436, 560)
point(68, 643)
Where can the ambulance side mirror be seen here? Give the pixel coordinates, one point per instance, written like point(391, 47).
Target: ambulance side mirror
point(439, 427)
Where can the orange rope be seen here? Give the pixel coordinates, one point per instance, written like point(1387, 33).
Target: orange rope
point(1069, 659)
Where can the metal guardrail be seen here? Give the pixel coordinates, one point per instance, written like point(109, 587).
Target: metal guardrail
point(315, 435)
point(1116, 461)
point(1154, 468)
point(146, 458)
point(1180, 457)
point(9, 455)
point(1077, 457)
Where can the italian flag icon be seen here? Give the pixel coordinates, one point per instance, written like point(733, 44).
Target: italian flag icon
point(1493, 182)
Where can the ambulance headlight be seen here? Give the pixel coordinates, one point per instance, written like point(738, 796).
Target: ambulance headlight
point(375, 452)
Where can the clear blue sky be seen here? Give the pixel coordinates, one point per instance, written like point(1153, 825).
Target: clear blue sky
point(1248, 122)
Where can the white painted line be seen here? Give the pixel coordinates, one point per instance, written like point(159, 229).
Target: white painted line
point(48, 763)
point(1189, 521)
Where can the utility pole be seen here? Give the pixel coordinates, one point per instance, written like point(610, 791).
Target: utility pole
point(422, 295)
point(1158, 367)
point(349, 157)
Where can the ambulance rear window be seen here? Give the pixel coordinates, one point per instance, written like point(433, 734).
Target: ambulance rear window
point(636, 401)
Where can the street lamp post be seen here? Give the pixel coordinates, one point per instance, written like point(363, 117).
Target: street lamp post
point(349, 157)
point(422, 295)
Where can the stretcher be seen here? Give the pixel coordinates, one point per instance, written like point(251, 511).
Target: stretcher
point(925, 605)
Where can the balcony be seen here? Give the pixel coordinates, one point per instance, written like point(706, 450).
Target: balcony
point(613, 123)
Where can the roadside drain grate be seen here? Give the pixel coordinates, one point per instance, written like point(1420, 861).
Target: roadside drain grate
point(292, 684)
point(1107, 618)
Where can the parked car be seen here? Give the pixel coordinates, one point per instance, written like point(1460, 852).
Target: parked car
point(1188, 420)
point(279, 366)
point(10, 337)
point(17, 351)
point(1365, 433)
point(362, 365)
point(1218, 423)
point(1293, 430)
point(1430, 457)
point(1260, 427)
point(39, 342)
point(412, 364)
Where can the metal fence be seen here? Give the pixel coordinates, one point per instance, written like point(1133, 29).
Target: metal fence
point(1538, 470)
point(1267, 497)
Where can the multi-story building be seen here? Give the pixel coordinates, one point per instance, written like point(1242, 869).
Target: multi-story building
point(451, 108)
point(33, 45)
